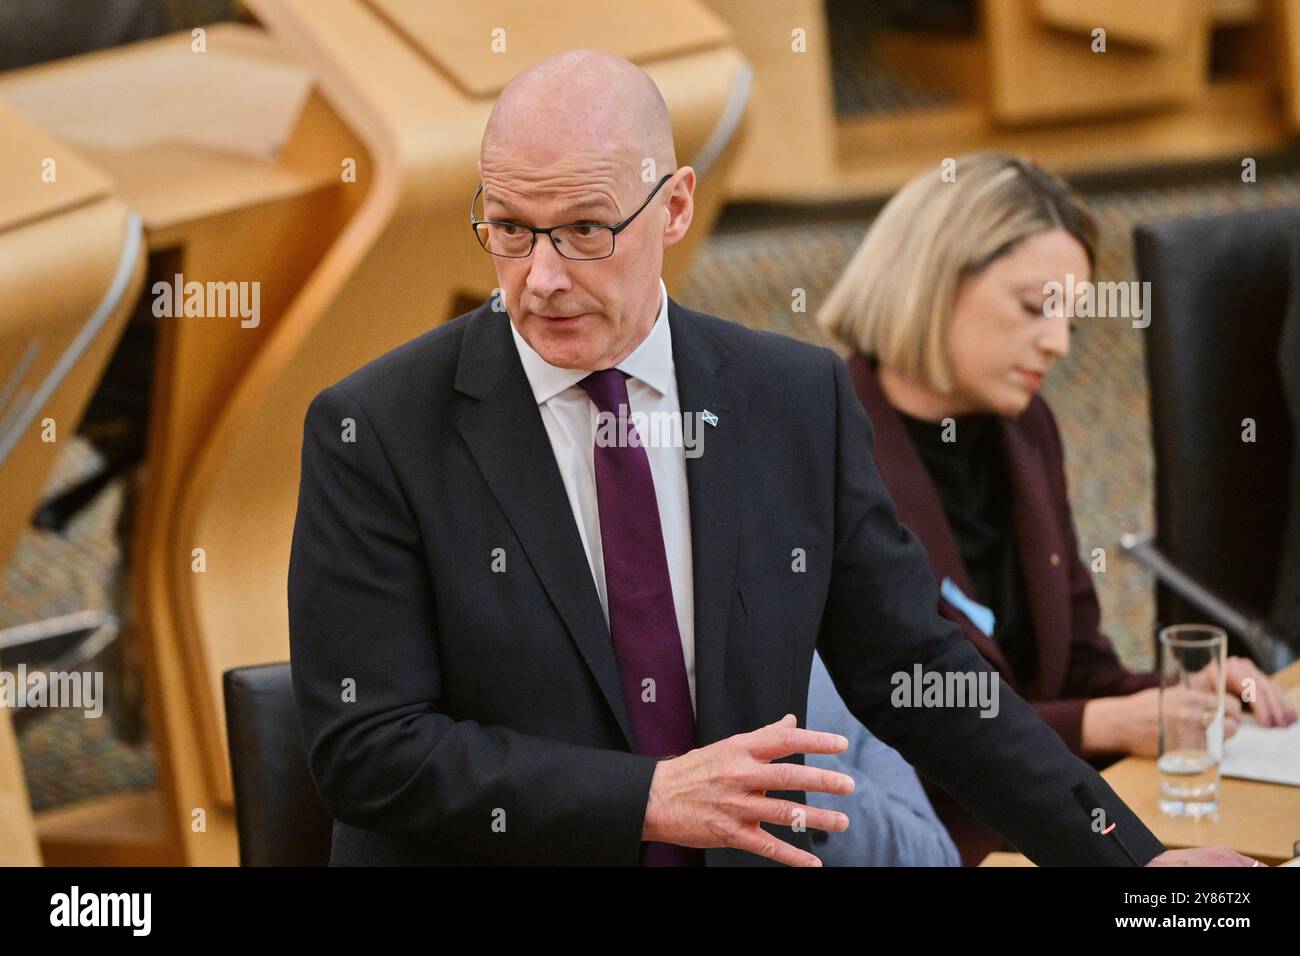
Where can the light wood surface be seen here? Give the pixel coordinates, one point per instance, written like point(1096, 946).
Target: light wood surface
point(24, 150)
point(1159, 26)
point(481, 46)
point(18, 844)
point(1006, 859)
point(1237, 12)
point(1040, 74)
point(790, 149)
point(211, 145)
point(1286, 21)
point(122, 829)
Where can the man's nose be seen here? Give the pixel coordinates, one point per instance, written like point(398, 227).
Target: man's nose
point(548, 271)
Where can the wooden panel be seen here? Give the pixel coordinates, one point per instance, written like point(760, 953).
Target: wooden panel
point(199, 150)
point(791, 136)
point(1162, 25)
point(18, 845)
point(1287, 20)
point(24, 195)
point(1231, 13)
point(458, 37)
point(112, 102)
point(121, 829)
point(956, 65)
point(1041, 74)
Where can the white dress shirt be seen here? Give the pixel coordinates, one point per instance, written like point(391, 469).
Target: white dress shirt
point(570, 420)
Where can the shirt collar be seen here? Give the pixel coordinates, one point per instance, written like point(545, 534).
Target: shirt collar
point(650, 362)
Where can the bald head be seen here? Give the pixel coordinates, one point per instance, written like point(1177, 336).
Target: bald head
point(583, 143)
point(586, 102)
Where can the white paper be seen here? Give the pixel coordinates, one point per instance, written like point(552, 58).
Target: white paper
point(1270, 754)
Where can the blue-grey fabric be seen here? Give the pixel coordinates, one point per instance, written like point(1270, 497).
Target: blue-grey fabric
point(891, 822)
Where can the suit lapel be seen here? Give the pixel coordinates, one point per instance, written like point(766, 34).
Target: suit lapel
point(713, 482)
point(918, 504)
point(1042, 556)
point(506, 437)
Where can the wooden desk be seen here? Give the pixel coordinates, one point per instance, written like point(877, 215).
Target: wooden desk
point(1261, 820)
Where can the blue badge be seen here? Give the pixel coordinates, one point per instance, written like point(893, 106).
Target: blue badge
point(978, 614)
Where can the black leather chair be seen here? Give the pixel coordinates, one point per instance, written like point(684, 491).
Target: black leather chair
point(279, 815)
point(1223, 345)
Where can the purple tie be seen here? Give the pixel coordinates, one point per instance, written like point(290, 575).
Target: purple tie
point(642, 618)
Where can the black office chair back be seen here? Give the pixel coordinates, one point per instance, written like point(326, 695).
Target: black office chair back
point(1222, 288)
point(279, 814)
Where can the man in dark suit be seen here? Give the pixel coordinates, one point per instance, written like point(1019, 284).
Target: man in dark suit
point(525, 633)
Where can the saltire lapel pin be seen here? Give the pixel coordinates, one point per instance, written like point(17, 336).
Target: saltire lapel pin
point(710, 418)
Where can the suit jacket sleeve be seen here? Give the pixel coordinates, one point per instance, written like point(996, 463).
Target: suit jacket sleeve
point(384, 756)
point(1011, 771)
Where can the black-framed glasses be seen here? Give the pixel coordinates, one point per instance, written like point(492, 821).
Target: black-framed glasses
point(577, 240)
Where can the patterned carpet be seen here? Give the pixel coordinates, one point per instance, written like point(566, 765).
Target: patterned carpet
point(746, 272)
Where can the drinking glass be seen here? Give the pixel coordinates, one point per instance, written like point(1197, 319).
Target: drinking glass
point(1192, 659)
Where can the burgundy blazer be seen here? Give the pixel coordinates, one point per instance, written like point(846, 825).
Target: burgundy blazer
point(1075, 660)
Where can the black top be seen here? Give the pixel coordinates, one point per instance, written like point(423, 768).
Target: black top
point(969, 474)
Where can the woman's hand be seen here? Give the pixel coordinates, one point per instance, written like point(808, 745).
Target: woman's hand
point(1131, 724)
point(1269, 703)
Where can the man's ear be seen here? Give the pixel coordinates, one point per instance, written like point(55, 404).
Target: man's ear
point(681, 206)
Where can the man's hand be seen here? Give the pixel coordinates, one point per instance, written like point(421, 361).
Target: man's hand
point(716, 795)
point(1203, 856)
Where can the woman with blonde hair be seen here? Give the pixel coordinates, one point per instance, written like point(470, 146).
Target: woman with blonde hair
point(952, 310)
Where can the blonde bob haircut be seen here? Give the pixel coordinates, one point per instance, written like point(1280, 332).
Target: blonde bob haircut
point(896, 296)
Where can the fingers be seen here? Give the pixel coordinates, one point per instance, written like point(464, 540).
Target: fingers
point(788, 813)
point(1207, 677)
point(1190, 706)
point(785, 738)
point(758, 841)
point(1270, 705)
point(1265, 704)
point(1232, 708)
point(792, 776)
point(1226, 857)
